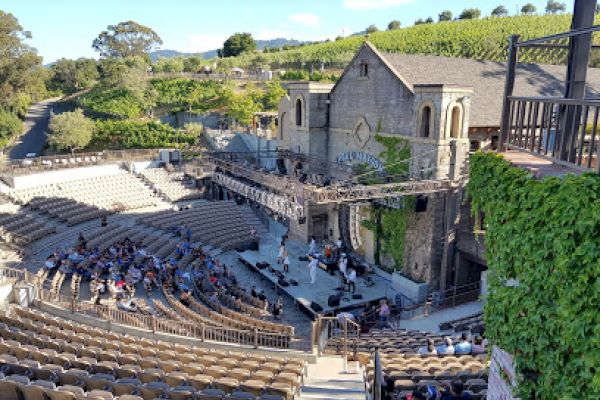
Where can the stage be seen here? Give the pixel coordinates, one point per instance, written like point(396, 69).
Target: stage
point(306, 293)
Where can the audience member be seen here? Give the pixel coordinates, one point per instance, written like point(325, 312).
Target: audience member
point(447, 348)
point(464, 346)
point(478, 346)
point(429, 349)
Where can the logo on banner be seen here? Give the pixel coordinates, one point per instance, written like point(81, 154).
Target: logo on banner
point(361, 156)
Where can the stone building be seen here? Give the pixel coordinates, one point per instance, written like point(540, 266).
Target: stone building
point(441, 108)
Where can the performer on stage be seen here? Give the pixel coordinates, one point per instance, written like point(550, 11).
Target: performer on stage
point(312, 247)
point(343, 265)
point(280, 256)
point(286, 261)
point(313, 265)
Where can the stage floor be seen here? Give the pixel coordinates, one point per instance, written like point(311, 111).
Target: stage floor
point(306, 293)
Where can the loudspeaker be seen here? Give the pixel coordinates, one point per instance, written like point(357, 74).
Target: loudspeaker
point(421, 205)
point(301, 220)
point(282, 282)
point(333, 300)
point(303, 258)
point(281, 166)
point(293, 282)
point(303, 178)
point(357, 296)
point(316, 307)
point(262, 265)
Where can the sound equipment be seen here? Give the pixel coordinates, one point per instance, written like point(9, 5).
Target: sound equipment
point(421, 204)
point(334, 300)
point(303, 178)
point(293, 282)
point(303, 258)
point(316, 307)
point(301, 220)
point(357, 296)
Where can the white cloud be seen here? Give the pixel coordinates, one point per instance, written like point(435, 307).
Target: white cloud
point(306, 19)
point(202, 42)
point(373, 4)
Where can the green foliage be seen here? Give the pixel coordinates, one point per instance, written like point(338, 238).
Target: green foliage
point(306, 76)
point(10, 126)
point(393, 25)
point(553, 7)
point(371, 29)
point(470, 13)
point(168, 64)
point(114, 103)
point(193, 129)
point(237, 44)
point(528, 9)
point(546, 234)
point(395, 156)
point(70, 76)
point(188, 94)
point(481, 39)
point(138, 134)
point(241, 107)
point(499, 11)
point(273, 94)
point(126, 39)
point(70, 130)
point(21, 72)
point(445, 16)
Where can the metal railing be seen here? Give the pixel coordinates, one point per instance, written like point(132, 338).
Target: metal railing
point(536, 124)
point(329, 327)
point(560, 129)
point(255, 338)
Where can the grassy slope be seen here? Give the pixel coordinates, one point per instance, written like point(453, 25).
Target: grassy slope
point(483, 39)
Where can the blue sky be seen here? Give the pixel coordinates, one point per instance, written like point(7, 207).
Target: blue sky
point(66, 28)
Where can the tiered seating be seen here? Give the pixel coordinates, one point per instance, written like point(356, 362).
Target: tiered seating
point(171, 184)
point(398, 341)
point(60, 356)
point(22, 229)
point(75, 283)
point(217, 223)
point(56, 284)
point(406, 373)
point(85, 199)
point(472, 323)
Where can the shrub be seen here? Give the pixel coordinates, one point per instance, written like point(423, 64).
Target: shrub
point(10, 126)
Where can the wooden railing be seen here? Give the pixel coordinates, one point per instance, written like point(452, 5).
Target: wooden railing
point(539, 125)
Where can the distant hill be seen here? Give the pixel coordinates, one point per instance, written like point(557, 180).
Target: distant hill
point(260, 45)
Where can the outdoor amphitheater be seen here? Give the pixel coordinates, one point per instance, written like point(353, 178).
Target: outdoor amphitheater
point(130, 275)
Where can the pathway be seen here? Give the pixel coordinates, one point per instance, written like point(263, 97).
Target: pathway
point(327, 380)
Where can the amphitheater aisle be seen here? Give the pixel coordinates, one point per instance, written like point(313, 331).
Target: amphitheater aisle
point(327, 380)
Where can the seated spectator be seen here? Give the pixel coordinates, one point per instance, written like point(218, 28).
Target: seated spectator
point(464, 346)
point(478, 346)
point(278, 308)
point(383, 312)
point(126, 304)
point(50, 263)
point(184, 298)
point(447, 348)
point(454, 391)
point(429, 349)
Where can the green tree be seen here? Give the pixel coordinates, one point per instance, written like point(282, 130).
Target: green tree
point(70, 130)
point(429, 20)
point(10, 126)
point(193, 64)
point(470, 13)
point(193, 129)
point(394, 25)
point(126, 39)
point(273, 94)
point(241, 107)
point(20, 66)
point(445, 16)
point(170, 64)
point(528, 9)
point(72, 75)
point(237, 44)
point(499, 11)
point(372, 29)
point(553, 7)
point(419, 21)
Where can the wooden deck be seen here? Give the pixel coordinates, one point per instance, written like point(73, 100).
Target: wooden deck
point(539, 165)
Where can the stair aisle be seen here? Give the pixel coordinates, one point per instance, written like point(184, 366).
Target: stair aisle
point(327, 380)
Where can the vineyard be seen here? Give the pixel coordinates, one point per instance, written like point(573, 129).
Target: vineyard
point(482, 39)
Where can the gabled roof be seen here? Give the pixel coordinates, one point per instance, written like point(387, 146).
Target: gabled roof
point(487, 80)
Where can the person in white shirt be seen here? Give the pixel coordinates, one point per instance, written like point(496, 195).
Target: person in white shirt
point(280, 256)
point(286, 261)
point(351, 280)
point(343, 265)
point(313, 265)
point(312, 247)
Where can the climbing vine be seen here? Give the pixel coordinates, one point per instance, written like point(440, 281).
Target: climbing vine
point(397, 150)
point(545, 235)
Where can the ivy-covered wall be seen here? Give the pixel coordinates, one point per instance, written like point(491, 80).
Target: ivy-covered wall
point(546, 235)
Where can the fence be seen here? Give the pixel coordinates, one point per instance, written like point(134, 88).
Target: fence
point(328, 327)
point(203, 332)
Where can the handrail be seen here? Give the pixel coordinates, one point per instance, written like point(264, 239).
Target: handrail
point(571, 33)
point(562, 100)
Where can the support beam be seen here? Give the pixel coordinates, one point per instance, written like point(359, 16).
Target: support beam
point(509, 85)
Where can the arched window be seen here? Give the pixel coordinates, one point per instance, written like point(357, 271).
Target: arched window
point(298, 112)
point(425, 121)
point(455, 124)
